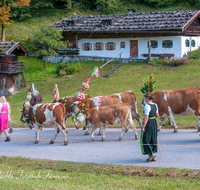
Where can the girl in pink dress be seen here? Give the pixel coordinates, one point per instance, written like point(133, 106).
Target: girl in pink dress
point(4, 117)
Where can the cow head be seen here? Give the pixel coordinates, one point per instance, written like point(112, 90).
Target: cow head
point(80, 109)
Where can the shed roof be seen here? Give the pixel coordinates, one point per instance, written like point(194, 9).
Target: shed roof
point(132, 22)
point(9, 48)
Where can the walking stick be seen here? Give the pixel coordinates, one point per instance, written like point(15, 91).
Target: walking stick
point(159, 148)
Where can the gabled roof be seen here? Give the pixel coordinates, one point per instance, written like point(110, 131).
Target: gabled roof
point(8, 48)
point(134, 22)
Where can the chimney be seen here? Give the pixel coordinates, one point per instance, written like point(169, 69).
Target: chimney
point(131, 11)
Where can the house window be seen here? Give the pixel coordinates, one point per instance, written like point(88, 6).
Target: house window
point(187, 43)
point(122, 44)
point(98, 46)
point(87, 46)
point(106, 22)
point(154, 44)
point(110, 45)
point(167, 44)
point(192, 43)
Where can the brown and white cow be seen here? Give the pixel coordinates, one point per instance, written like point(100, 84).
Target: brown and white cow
point(47, 115)
point(178, 101)
point(124, 97)
point(68, 103)
point(111, 115)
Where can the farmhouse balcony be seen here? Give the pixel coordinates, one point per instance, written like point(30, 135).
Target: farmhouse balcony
point(11, 67)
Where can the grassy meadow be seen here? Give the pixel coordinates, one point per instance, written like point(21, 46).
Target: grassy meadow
point(23, 173)
point(129, 77)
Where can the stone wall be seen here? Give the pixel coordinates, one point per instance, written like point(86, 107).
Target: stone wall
point(75, 58)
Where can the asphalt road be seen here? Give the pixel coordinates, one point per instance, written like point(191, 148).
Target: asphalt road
point(180, 150)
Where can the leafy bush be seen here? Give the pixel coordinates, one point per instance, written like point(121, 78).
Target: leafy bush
point(194, 54)
point(172, 62)
point(70, 68)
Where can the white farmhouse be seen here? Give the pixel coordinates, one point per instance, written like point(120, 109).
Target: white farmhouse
point(171, 33)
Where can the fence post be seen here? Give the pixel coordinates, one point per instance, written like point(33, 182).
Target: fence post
point(18, 76)
point(102, 71)
point(111, 65)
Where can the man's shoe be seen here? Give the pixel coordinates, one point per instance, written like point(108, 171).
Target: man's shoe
point(7, 139)
point(151, 158)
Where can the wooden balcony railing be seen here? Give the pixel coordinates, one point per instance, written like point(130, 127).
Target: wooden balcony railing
point(11, 67)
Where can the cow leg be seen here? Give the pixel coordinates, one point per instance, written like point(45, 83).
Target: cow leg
point(171, 118)
point(93, 130)
point(57, 130)
point(100, 131)
point(89, 128)
point(137, 117)
point(123, 126)
point(37, 138)
point(162, 119)
point(104, 134)
point(61, 126)
point(75, 122)
point(198, 123)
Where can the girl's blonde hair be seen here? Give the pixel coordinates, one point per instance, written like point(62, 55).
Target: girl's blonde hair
point(3, 99)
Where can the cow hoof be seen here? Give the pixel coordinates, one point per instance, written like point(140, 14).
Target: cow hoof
point(86, 133)
point(66, 131)
point(103, 139)
point(51, 142)
point(92, 139)
point(65, 143)
point(198, 130)
point(175, 131)
point(136, 137)
point(126, 130)
point(36, 142)
point(120, 139)
point(77, 127)
point(158, 130)
point(84, 128)
point(99, 134)
point(11, 130)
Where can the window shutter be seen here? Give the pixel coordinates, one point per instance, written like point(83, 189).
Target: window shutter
point(95, 46)
point(106, 46)
point(102, 46)
point(147, 44)
point(83, 46)
point(156, 44)
point(90, 46)
point(171, 43)
point(163, 44)
point(186, 43)
point(114, 46)
point(194, 43)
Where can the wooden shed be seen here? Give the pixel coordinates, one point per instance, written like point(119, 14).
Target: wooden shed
point(10, 68)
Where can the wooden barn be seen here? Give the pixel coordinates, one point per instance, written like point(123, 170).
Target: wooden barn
point(170, 33)
point(10, 68)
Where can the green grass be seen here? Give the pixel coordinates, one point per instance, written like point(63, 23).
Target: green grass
point(128, 77)
point(23, 173)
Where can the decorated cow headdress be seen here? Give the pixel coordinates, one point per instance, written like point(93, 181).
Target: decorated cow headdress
point(85, 85)
point(56, 92)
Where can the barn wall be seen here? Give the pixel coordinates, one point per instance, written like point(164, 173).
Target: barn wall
point(142, 46)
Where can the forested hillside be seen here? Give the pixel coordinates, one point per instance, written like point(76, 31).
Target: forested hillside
point(26, 20)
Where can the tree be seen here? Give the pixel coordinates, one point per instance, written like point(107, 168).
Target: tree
point(5, 14)
point(47, 41)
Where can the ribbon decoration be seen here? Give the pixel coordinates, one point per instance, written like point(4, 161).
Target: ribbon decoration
point(56, 92)
point(85, 85)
